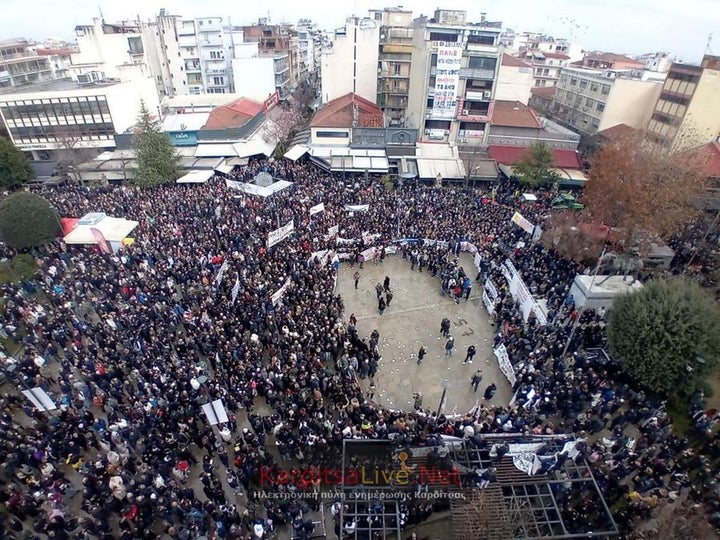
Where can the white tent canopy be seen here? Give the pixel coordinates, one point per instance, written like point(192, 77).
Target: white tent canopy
point(254, 147)
point(254, 189)
point(196, 177)
point(113, 229)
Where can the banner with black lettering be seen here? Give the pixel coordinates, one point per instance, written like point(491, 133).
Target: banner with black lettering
point(504, 363)
point(317, 209)
point(278, 235)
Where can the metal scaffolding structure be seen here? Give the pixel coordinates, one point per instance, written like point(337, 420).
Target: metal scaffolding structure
point(560, 502)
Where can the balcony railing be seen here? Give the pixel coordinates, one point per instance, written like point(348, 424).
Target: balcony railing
point(473, 73)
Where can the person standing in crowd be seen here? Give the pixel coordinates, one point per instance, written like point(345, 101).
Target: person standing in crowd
point(386, 284)
point(470, 354)
point(421, 354)
point(381, 305)
point(388, 297)
point(449, 346)
point(467, 287)
point(445, 327)
point(490, 392)
point(417, 400)
point(378, 290)
point(356, 278)
point(476, 379)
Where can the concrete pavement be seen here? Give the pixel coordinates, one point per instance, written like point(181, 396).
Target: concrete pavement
point(413, 319)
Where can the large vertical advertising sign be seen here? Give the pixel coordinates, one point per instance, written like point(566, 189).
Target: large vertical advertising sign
point(447, 79)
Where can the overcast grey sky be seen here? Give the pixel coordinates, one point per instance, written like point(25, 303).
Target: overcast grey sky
point(622, 26)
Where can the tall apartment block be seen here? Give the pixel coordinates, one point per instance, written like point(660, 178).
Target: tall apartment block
point(687, 112)
point(394, 60)
point(453, 79)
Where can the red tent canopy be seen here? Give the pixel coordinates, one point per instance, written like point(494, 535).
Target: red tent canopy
point(68, 224)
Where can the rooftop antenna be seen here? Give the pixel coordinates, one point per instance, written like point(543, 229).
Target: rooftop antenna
point(708, 50)
point(102, 17)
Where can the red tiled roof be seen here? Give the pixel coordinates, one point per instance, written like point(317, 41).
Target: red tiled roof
point(508, 60)
point(511, 155)
point(612, 58)
point(711, 153)
point(559, 56)
point(514, 114)
point(340, 112)
point(56, 52)
point(234, 114)
point(617, 132)
point(544, 91)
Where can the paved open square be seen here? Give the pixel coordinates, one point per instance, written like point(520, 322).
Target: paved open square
point(413, 319)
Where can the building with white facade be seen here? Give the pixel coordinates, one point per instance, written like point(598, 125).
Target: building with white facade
point(515, 79)
point(51, 115)
point(350, 64)
point(592, 100)
point(20, 64)
point(258, 76)
point(453, 78)
point(659, 61)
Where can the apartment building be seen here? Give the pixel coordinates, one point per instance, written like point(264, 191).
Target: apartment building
point(395, 57)
point(20, 64)
point(308, 47)
point(606, 60)
point(515, 80)
point(258, 75)
point(349, 64)
point(453, 80)
point(54, 115)
point(546, 66)
point(687, 111)
point(591, 100)
point(281, 43)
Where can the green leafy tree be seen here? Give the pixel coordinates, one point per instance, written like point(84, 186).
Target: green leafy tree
point(27, 220)
point(15, 168)
point(157, 161)
point(537, 168)
point(666, 335)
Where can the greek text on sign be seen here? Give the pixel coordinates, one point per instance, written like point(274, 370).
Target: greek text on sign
point(278, 235)
point(523, 223)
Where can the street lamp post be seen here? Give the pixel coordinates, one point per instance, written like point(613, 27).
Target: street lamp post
point(445, 384)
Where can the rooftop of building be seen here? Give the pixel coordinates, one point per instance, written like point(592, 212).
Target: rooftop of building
point(511, 61)
point(13, 42)
point(711, 157)
point(514, 114)
point(617, 132)
point(234, 114)
point(341, 112)
point(610, 57)
point(544, 91)
point(55, 85)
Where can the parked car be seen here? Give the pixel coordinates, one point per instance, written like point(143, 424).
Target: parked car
point(565, 201)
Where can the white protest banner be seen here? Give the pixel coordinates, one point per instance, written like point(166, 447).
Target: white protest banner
point(275, 298)
point(333, 231)
point(317, 209)
point(215, 412)
point(447, 79)
point(570, 448)
point(504, 364)
point(489, 305)
point(527, 463)
point(357, 207)
point(369, 238)
point(233, 184)
point(235, 289)
point(477, 260)
point(278, 235)
point(370, 253)
point(40, 399)
point(491, 290)
point(515, 449)
point(521, 222)
point(221, 272)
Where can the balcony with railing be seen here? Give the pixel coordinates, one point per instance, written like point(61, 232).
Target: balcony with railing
point(210, 41)
point(474, 111)
point(483, 95)
point(192, 66)
point(475, 73)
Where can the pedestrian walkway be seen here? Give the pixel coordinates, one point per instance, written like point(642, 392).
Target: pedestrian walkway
point(413, 320)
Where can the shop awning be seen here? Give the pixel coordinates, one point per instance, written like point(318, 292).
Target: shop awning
point(296, 152)
point(446, 168)
point(195, 177)
point(215, 150)
point(251, 148)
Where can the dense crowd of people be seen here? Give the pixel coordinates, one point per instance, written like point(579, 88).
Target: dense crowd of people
point(131, 346)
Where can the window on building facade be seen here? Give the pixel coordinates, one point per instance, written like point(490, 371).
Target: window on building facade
point(218, 81)
point(442, 36)
point(583, 85)
point(600, 107)
point(573, 82)
point(135, 45)
point(482, 62)
point(605, 90)
point(594, 87)
point(396, 69)
point(482, 39)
